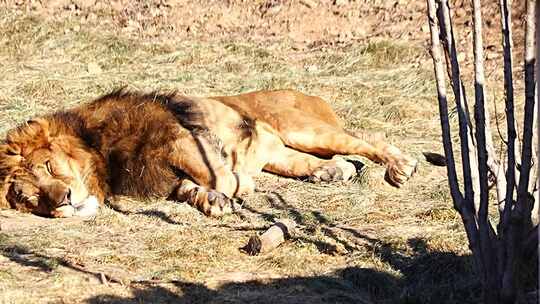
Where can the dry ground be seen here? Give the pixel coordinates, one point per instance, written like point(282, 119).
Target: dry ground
point(359, 242)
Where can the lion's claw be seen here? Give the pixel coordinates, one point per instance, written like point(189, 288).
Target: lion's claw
point(219, 204)
point(399, 170)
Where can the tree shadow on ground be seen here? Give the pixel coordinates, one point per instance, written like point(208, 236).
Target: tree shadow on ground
point(317, 289)
point(427, 279)
point(413, 273)
point(423, 277)
point(29, 258)
point(418, 274)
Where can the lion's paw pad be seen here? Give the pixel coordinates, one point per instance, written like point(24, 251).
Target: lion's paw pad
point(340, 170)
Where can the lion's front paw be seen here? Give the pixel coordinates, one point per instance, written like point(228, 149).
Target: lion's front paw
point(399, 169)
point(211, 202)
point(219, 204)
point(335, 170)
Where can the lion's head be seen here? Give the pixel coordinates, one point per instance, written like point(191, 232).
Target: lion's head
point(47, 170)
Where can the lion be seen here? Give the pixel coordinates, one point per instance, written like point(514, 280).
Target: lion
point(204, 151)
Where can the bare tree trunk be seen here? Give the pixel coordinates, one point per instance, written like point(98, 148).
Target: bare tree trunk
point(505, 207)
point(490, 275)
point(524, 199)
point(526, 154)
point(443, 103)
point(537, 199)
point(515, 223)
point(538, 91)
point(507, 43)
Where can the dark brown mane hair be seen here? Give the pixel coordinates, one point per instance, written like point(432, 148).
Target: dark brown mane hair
point(125, 131)
point(186, 111)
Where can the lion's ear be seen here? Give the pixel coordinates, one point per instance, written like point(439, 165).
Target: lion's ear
point(31, 135)
point(4, 188)
point(38, 127)
point(11, 150)
point(9, 156)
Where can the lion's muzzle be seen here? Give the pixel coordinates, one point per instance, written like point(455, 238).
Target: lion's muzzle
point(87, 208)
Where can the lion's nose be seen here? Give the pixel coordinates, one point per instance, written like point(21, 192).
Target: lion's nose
point(66, 200)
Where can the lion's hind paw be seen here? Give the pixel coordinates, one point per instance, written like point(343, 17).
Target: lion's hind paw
point(337, 169)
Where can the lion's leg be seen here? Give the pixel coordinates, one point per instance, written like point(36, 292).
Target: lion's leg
point(291, 163)
point(326, 140)
point(200, 159)
point(208, 201)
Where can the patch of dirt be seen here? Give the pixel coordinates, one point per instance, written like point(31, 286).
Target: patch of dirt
point(307, 23)
point(10, 220)
point(304, 24)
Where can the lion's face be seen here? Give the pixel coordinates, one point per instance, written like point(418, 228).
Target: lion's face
point(50, 183)
point(48, 176)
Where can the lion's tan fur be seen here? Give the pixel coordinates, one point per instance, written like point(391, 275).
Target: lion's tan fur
point(202, 150)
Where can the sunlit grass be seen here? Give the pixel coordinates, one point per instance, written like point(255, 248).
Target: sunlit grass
point(366, 225)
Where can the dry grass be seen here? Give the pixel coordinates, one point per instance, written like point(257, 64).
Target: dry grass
point(359, 242)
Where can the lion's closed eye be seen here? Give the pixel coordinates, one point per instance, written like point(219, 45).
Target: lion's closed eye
point(49, 168)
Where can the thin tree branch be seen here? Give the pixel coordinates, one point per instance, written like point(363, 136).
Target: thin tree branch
point(537, 198)
point(506, 25)
point(534, 157)
point(468, 150)
point(456, 194)
point(493, 161)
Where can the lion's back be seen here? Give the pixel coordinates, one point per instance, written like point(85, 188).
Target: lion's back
point(265, 105)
